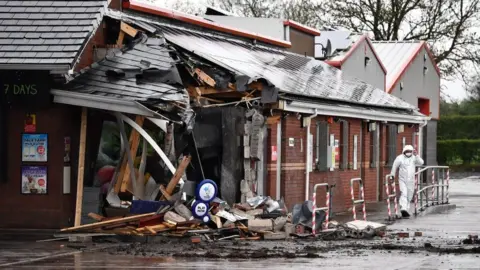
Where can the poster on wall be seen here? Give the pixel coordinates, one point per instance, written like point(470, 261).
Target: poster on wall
point(30, 125)
point(274, 153)
point(337, 151)
point(34, 147)
point(34, 180)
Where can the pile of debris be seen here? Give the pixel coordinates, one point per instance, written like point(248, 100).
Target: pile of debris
point(259, 218)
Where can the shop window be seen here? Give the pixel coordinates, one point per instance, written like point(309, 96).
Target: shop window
point(322, 146)
point(344, 127)
point(391, 144)
point(373, 148)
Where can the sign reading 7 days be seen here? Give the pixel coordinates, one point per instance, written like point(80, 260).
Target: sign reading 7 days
point(25, 87)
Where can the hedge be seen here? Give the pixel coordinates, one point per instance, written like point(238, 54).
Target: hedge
point(458, 151)
point(459, 127)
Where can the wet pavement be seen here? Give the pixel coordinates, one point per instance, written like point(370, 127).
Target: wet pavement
point(439, 248)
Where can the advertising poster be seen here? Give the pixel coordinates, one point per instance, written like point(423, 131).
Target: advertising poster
point(274, 153)
point(30, 125)
point(34, 180)
point(34, 147)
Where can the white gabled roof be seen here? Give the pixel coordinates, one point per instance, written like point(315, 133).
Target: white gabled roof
point(397, 55)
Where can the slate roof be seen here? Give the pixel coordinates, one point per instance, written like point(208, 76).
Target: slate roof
point(146, 74)
point(47, 32)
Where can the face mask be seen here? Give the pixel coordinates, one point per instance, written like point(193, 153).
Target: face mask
point(408, 154)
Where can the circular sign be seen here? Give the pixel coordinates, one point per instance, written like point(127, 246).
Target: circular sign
point(200, 209)
point(41, 182)
point(41, 150)
point(206, 190)
point(206, 219)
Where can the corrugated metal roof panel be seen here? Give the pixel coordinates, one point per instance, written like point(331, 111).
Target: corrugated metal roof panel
point(291, 73)
point(394, 56)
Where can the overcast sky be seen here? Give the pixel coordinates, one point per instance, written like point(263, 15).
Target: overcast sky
point(453, 90)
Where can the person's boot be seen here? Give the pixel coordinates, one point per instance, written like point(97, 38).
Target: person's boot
point(405, 214)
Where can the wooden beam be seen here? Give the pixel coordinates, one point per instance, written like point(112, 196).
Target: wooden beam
point(121, 36)
point(127, 29)
point(204, 77)
point(134, 142)
point(96, 217)
point(81, 167)
point(107, 223)
point(177, 176)
point(164, 193)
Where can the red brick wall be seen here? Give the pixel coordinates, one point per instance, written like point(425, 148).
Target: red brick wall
point(294, 161)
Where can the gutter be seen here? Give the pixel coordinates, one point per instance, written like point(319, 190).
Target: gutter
point(100, 102)
point(342, 111)
point(308, 120)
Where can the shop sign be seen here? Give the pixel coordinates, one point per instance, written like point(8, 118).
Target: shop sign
point(34, 147)
point(26, 87)
point(34, 180)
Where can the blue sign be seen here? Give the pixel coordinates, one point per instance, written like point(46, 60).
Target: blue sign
point(207, 190)
point(200, 209)
point(34, 147)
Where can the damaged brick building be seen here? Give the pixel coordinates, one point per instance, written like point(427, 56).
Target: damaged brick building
point(279, 120)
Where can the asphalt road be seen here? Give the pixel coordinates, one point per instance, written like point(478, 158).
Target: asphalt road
point(444, 230)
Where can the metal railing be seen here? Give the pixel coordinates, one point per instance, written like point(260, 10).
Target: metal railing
point(438, 191)
point(315, 208)
point(357, 202)
point(390, 181)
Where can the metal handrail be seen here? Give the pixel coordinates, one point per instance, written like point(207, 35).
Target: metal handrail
point(315, 208)
point(439, 191)
point(390, 180)
point(361, 201)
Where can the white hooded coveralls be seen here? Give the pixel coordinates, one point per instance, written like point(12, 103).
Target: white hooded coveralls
point(406, 176)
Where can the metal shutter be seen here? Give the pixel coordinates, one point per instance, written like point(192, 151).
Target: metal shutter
point(344, 144)
point(322, 146)
point(392, 143)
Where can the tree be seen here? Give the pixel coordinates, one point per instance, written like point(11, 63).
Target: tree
point(448, 25)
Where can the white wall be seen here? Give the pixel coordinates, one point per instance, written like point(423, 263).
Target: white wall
point(416, 84)
point(265, 26)
point(354, 66)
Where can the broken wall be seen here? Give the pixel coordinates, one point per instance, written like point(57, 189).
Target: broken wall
point(218, 132)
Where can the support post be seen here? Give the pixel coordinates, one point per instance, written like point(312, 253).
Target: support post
point(81, 167)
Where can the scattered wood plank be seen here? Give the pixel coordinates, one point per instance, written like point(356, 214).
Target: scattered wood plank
point(121, 36)
point(96, 217)
point(107, 222)
point(204, 77)
point(150, 230)
point(81, 167)
point(127, 29)
point(164, 193)
point(178, 175)
point(121, 184)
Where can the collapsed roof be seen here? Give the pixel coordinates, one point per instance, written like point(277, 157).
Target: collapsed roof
point(288, 72)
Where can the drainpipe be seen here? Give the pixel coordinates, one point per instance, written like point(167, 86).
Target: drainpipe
point(420, 137)
point(308, 120)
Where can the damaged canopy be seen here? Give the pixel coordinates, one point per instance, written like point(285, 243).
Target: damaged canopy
point(144, 73)
point(288, 72)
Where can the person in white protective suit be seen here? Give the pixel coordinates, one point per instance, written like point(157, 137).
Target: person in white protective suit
point(406, 163)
